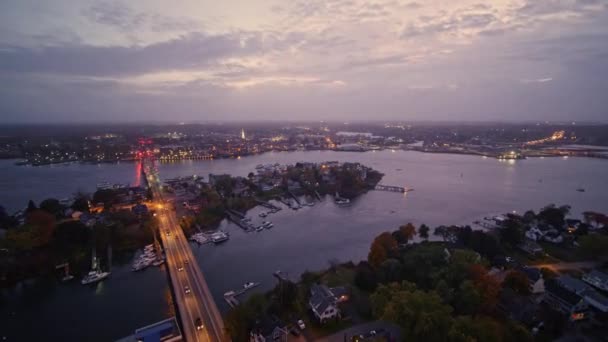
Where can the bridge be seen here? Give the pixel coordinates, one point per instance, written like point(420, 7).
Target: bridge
point(199, 316)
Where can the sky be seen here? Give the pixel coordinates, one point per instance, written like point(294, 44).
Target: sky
point(87, 61)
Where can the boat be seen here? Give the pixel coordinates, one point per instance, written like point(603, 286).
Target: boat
point(158, 262)
point(267, 225)
point(340, 201)
point(249, 285)
point(259, 229)
point(229, 294)
point(104, 186)
point(343, 202)
point(263, 215)
point(95, 274)
point(580, 190)
point(219, 237)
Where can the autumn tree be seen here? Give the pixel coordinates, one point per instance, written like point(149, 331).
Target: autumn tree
point(518, 282)
point(383, 247)
point(405, 233)
point(486, 285)
point(421, 315)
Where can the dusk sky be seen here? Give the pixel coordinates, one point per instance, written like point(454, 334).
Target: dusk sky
point(153, 60)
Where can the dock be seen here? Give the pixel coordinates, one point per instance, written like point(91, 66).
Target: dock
point(267, 205)
point(294, 197)
point(282, 276)
point(391, 188)
point(230, 296)
point(236, 219)
point(318, 196)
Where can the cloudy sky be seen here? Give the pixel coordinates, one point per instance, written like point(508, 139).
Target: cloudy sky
point(198, 60)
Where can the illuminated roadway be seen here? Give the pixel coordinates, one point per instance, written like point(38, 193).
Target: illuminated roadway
point(199, 302)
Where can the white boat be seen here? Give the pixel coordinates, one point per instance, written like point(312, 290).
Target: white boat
point(158, 262)
point(104, 186)
point(229, 294)
point(259, 229)
point(94, 276)
point(268, 225)
point(263, 215)
point(219, 237)
point(249, 285)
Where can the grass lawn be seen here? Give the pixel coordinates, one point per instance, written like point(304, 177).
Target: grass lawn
point(562, 253)
point(341, 277)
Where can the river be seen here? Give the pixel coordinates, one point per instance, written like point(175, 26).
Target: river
point(449, 189)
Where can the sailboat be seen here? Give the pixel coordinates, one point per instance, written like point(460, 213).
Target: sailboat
point(96, 274)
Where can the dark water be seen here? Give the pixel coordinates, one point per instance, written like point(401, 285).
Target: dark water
point(448, 189)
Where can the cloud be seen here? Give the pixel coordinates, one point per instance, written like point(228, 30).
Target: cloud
point(123, 18)
point(188, 51)
point(537, 80)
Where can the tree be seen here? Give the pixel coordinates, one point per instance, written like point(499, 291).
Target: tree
point(487, 286)
point(421, 315)
point(529, 216)
point(52, 206)
point(423, 231)
point(383, 247)
point(44, 224)
point(512, 232)
point(554, 216)
point(81, 202)
point(31, 206)
point(594, 245)
point(468, 329)
point(365, 277)
point(518, 282)
point(467, 299)
point(408, 231)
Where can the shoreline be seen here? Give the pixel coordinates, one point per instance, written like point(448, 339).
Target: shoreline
point(579, 154)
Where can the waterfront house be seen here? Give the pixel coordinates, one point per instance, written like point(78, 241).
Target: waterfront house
point(517, 307)
point(324, 303)
point(531, 247)
point(553, 236)
point(597, 278)
point(536, 283)
point(565, 301)
point(592, 297)
point(268, 330)
point(534, 234)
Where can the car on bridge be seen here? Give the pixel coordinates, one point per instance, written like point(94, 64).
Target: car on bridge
point(198, 323)
point(187, 289)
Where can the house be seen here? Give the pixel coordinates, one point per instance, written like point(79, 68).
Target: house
point(519, 308)
point(592, 297)
point(553, 237)
point(597, 278)
point(268, 330)
point(536, 282)
point(565, 301)
point(534, 234)
point(575, 285)
point(323, 303)
point(530, 247)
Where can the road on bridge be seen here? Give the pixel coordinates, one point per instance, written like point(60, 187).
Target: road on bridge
point(190, 290)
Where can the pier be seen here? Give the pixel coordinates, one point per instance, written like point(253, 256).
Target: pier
point(318, 196)
point(391, 188)
point(294, 197)
point(230, 296)
point(267, 205)
point(236, 219)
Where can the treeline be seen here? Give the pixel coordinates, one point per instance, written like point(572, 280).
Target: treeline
point(47, 237)
point(436, 293)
